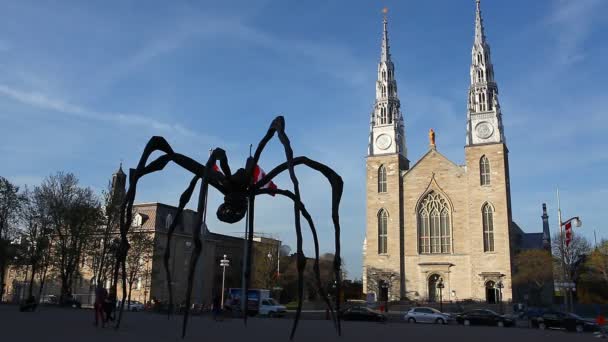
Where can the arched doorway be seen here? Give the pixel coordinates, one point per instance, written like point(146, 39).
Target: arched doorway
point(432, 283)
point(491, 292)
point(383, 290)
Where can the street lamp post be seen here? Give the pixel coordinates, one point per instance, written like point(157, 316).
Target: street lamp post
point(440, 286)
point(223, 264)
point(500, 286)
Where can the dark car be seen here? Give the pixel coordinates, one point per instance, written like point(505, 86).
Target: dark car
point(563, 320)
point(361, 313)
point(484, 317)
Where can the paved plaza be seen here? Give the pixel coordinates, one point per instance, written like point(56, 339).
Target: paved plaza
point(55, 324)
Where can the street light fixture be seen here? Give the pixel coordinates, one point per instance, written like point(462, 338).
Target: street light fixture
point(223, 264)
point(440, 286)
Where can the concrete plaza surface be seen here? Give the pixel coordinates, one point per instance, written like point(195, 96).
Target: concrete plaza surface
point(55, 324)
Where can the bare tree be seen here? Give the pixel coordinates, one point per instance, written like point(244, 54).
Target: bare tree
point(74, 213)
point(36, 236)
point(10, 204)
point(100, 254)
point(568, 259)
point(140, 254)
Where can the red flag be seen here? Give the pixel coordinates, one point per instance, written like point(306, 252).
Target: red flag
point(568, 230)
point(258, 174)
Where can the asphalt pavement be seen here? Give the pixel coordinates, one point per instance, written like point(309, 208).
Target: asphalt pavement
point(57, 324)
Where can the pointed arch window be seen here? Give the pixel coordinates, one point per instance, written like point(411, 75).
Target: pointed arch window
point(383, 116)
point(488, 227)
point(382, 179)
point(434, 225)
point(484, 171)
point(382, 231)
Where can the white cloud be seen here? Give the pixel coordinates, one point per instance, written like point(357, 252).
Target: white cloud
point(572, 21)
point(45, 102)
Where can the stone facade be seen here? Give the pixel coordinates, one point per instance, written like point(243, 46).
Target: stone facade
point(437, 222)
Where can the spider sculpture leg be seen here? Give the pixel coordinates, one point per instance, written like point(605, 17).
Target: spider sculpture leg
point(278, 126)
point(126, 213)
point(337, 186)
point(199, 222)
point(315, 238)
point(183, 200)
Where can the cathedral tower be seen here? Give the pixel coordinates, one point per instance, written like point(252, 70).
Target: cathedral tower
point(484, 119)
point(487, 166)
point(386, 160)
point(119, 183)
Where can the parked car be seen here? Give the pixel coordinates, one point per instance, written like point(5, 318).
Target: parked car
point(134, 305)
point(270, 308)
point(427, 315)
point(49, 299)
point(361, 313)
point(563, 320)
point(484, 317)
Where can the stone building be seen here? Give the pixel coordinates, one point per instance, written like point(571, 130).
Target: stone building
point(433, 221)
point(154, 219)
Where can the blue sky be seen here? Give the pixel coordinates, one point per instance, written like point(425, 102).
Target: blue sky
point(85, 84)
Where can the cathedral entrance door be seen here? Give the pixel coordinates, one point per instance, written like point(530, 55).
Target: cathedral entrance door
point(383, 290)
point(433, 295)
point(491, 292)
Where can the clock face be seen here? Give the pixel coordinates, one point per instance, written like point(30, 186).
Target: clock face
point(383, 141)
point(484, 130)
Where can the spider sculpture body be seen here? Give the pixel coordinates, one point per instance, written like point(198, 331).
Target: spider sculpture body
point(239, 192)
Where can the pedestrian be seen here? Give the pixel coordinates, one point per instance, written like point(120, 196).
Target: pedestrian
point(110, 306)
point(100, 297)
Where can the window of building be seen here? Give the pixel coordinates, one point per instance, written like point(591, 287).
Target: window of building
point(484, 170)
point(488, 228)
point(434, 227)
point(382, 179)
point(382, 231)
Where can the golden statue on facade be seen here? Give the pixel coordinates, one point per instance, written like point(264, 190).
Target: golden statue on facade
point(432, 138)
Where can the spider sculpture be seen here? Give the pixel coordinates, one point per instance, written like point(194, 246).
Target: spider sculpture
point(239, 192)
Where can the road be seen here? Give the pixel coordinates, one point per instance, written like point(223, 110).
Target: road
point(55, 324)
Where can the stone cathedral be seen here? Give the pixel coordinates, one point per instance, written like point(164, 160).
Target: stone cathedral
point(435, 222)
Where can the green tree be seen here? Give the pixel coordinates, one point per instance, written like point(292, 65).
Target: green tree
point(531, 272)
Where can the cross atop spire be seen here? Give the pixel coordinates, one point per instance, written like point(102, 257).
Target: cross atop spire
point(385, 54)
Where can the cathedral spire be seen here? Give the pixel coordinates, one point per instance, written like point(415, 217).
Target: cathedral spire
point(386, 124)
point(118, 187)
point(385, 55)
point(480, 35)
point(484, 118)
